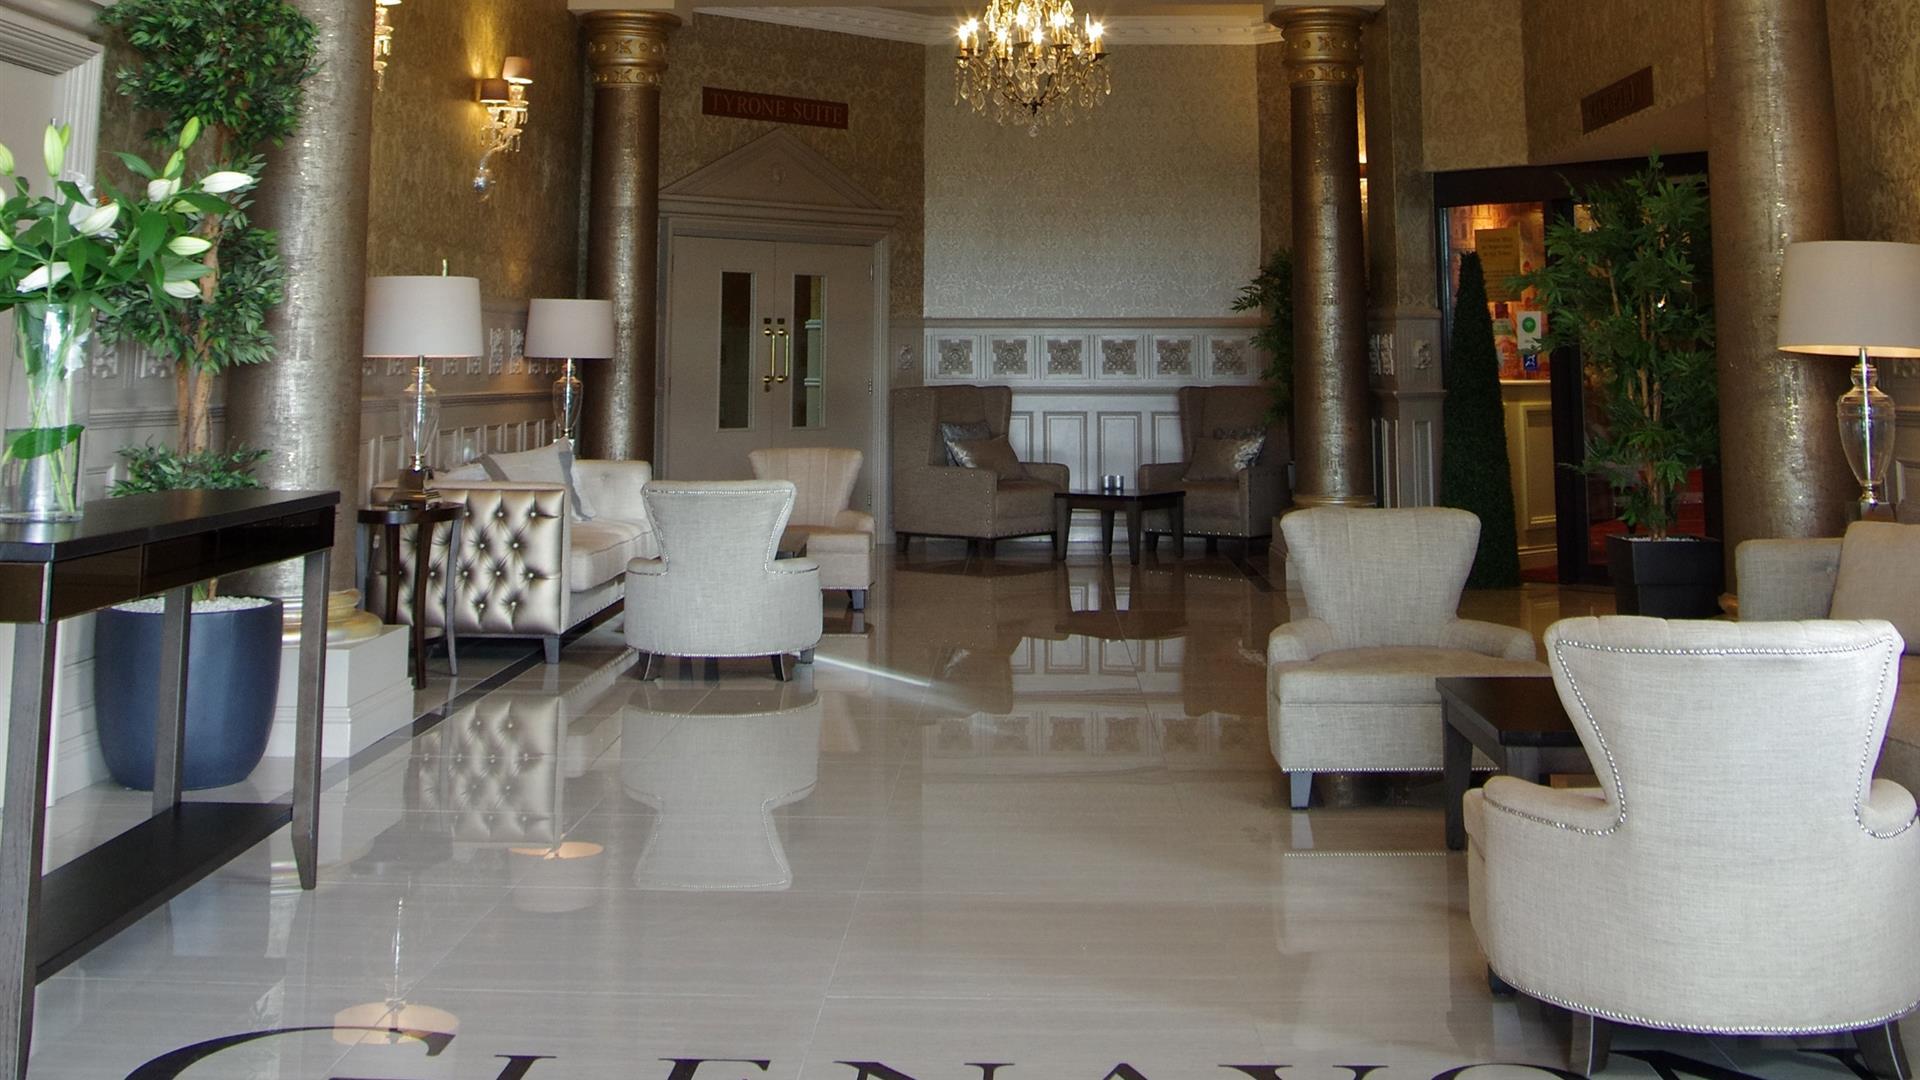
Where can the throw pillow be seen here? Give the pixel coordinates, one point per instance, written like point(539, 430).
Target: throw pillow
point(465, 474)
point(994, 454)
point(550, 464)
point(1876, 579)
point(952, 432)
point(1224, 459)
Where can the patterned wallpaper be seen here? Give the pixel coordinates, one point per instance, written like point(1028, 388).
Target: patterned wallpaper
point(1473, 88)
point(1148, 208)
point(1574, 49)
point(524, 240)
point(881, 82)
point(1876, 90)
point(1276, 141)
point(1400, 269)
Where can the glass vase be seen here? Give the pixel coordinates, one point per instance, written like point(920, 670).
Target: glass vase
point(40, 460)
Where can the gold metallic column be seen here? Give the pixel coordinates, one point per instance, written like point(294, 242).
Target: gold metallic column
point(627, 54)
point(1774, 177)
point(1332, 440)
point(303, 407)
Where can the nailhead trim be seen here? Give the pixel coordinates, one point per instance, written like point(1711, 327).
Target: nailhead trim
point(1694, 1029)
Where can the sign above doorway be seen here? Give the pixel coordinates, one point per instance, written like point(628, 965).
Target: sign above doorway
point(746, 105)
point(1616, 101)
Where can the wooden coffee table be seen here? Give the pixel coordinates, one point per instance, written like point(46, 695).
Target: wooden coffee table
point(1132, 503)
point(1517, 721)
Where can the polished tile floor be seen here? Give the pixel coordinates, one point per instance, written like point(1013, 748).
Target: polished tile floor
point(1020, 823)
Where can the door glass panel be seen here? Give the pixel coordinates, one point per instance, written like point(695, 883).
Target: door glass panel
point(806, 355)
point(737, 338)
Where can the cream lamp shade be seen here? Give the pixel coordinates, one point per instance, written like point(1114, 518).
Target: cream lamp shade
point(423, 316)
point(1838, 297)
point(576, 329)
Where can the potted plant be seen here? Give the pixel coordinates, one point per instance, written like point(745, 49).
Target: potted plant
point(1631, 290)
point(233, 69)
point(1474, 469)
point(1271, 293)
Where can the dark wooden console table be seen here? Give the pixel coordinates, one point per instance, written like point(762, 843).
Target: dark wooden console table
point(124, 549)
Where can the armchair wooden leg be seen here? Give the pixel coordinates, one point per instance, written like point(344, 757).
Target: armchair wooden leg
point(988, 548)
point(643, 669)
point(782, 668)
point(1299, 789)
point(712, 672)
point(900, 542)
point(806, 656)
point(1587, 1052)
point(1882, 1051)
point(1498, 986)
point(857, 599)
point(1213, 545)
point(551, 645)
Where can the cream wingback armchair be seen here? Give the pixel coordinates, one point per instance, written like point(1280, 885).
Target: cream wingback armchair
point(837, 539)
point(717, 589)
point(1737, 872)
point(1350, 687)
point(1224, 497)
point(934, 497)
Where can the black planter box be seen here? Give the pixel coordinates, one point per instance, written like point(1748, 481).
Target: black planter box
point(1677, 578)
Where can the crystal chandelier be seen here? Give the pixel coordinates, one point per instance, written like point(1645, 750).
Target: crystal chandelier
point(1028, 60)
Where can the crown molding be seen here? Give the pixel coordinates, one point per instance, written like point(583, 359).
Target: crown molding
point(926, 29)
point(49, 36)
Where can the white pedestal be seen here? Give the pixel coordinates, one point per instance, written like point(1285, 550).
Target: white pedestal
point(369, 695)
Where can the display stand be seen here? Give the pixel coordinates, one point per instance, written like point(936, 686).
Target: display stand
point(120, 550)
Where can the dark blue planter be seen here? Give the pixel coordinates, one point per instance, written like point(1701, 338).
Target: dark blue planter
point(233, 683)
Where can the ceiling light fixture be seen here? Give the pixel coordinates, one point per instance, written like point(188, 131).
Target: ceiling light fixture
point(1029, 60)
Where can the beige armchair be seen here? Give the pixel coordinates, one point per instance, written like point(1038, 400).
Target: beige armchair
point(1350, 687)
point(837, 539)
point(1868, 574)
point(717, 589)
point(1736, 873)
point(932, 497)
point(1244, 505)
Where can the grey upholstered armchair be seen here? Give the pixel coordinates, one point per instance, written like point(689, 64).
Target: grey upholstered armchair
point(1737, 872)
point(1222, 499)
point(933, 497)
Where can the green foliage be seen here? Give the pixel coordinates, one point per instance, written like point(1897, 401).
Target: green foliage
point(229, 328)
point(1635, 295)
point(1474, 471)
point(158, 468)
point(1272, 294)
point(237, 65)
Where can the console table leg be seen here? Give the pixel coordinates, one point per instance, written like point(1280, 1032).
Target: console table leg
point(23, 826)
point(306, 732)
point(170, 712)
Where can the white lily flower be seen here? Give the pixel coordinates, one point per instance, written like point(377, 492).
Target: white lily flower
point(221, 183)
point(182, 290)
point(45, 276)
point(53, 148)
point(88, 220)
point(6, 160)
point(189, 245)
point(6, 239)
point(162, 190)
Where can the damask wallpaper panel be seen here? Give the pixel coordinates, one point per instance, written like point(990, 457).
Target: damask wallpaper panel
point(1473, 101)
point(1150, 207)
point(1876, 92)
point(1276, 142)
point(880, 81)
point(1574, 49)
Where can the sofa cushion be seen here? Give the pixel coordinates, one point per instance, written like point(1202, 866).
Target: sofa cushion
point(957, 431)
point(550, 464)
point(1223, 459)
point(1876, 579)
point(994, 453)
point(601, 550)
point(1396, 675)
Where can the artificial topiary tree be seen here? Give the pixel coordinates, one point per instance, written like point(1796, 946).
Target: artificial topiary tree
point(1473, 448)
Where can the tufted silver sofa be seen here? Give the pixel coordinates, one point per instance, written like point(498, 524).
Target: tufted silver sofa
point(525, 568)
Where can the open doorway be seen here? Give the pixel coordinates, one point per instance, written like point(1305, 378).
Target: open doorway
point(1562, 516)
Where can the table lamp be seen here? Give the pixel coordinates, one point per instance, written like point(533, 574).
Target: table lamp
point(424, 318)
point(1856, 299)
point(571, 330)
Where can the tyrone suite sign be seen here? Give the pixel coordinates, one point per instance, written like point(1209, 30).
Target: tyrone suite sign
point(745, 105)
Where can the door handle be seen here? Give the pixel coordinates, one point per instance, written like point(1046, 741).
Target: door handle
point(766, 331)
point(780, 338)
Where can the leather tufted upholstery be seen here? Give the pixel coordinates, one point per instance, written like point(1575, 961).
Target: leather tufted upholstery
point(837, 539)
point(525, 569)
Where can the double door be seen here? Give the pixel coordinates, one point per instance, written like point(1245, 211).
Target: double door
point(768, 344)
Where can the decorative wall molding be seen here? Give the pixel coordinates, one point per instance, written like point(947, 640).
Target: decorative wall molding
point(78, 18)
point(924, 28)
point(1123, 355)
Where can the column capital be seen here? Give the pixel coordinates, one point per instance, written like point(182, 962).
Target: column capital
point(1322, 43)
point(627, 48)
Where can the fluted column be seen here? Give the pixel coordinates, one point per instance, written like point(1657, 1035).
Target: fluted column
point(1332, 441)
point(627, 54)
point(303, 407)
point(1774, 174)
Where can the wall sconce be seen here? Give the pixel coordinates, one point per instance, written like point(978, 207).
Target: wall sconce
point(505, 100)
point(382, 41)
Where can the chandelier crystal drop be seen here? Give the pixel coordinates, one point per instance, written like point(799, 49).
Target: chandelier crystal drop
point(1029, 61)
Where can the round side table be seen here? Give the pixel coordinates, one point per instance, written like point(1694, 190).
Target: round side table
point(423, 518)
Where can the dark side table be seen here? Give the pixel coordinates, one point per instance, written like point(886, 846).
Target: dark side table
point(1109, 503)
point(1517, 721)
point(424, 519)
point(161, 543)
